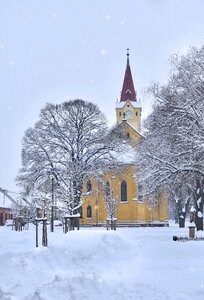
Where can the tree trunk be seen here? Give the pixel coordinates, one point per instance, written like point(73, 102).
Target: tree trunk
point(66, 226)
point(181, 213)
point(176, 218)
point(182, 220)
point(199, 202)
point(199, 220)
point(44, 234)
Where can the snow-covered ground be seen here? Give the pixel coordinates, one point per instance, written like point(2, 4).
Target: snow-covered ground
point(131, 263)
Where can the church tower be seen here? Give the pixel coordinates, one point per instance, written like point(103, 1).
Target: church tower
point(129, 108)
point(132, 208)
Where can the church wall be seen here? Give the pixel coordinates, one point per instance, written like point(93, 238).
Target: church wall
point(135, 121)
point(128, 212)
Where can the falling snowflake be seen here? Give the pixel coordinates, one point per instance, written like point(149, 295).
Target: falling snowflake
point(103, 52)
point(11, 63)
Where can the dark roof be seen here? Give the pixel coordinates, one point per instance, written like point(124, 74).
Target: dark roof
point(128, 90)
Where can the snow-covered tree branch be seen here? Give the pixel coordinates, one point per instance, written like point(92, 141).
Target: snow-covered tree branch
point(70, 142)
point(173, 145)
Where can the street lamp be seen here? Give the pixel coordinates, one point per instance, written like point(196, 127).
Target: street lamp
point(52, 205)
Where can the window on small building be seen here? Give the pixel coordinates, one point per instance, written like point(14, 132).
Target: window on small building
point(88, 186)
point(128, 135)
point(120, 114)
point(89, 211)
point(123, 190)
point(136, 113)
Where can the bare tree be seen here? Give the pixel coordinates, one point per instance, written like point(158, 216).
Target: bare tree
point(71, 142)
point(111, 203)
point(172, 149)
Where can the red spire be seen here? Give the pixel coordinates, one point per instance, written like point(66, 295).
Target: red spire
point(128, 90)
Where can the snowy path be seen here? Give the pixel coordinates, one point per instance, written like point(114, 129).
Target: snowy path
point(134, 263)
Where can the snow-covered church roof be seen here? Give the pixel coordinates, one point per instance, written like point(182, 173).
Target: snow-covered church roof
point(135, 104)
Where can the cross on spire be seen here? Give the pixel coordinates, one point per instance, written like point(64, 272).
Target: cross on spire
point(128, 54)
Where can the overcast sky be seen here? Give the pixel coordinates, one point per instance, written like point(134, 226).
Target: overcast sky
point(56, 50)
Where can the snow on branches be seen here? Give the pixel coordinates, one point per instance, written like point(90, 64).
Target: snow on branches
point(172, 151)
point(70, 143)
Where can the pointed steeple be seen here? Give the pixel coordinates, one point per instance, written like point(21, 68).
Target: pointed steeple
point(128, 90)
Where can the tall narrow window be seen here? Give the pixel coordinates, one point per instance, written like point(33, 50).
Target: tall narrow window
point(88, 186)
point(136, 113)
point(123, 191)
point(89, 211)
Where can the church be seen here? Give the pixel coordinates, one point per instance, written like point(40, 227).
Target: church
point(132, 209)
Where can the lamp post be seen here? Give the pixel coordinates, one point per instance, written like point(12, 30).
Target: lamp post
point(97, 202)
point(52, 205)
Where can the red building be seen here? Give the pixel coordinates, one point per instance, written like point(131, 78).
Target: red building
point(5, 214)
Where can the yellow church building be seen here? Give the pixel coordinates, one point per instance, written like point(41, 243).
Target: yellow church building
point(131, 208)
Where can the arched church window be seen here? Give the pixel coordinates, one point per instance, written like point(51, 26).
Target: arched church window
point(88, 186)
point(123, 190)
point(89, 211)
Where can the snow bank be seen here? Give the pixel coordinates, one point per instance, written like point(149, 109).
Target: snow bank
point(131, 263)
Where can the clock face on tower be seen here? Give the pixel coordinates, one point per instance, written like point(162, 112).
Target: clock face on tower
point(128, 114)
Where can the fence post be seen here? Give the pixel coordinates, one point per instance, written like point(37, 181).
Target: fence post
point(36, 234)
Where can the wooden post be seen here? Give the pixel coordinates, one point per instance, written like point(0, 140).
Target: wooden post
point(44, 233)
point(114, 225)
point(107, 224)
point(191, 232)
point(21, 223)
point(65, 224)
point(77, 223)
point(72, 220)
point(36, 234)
